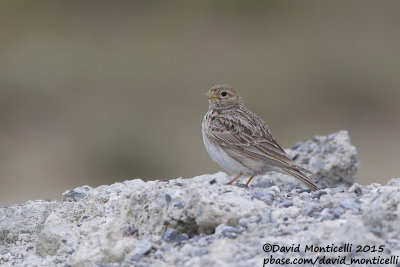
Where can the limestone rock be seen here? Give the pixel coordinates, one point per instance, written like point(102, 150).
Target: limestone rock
point(201, 221)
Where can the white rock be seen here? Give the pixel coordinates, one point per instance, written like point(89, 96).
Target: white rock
point(216, 225)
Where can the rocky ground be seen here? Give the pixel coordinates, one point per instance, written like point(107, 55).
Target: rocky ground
point(202, 222)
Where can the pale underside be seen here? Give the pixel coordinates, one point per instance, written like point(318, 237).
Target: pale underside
point(233, 166)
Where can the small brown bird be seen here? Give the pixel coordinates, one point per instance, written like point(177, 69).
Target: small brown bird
point(240, 142)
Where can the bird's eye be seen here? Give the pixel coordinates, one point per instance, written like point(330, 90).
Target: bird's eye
point(224, 93)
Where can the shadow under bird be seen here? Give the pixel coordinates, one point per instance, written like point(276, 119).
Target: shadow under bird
point(240, 142)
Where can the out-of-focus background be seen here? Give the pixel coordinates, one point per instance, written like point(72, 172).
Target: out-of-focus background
point(95, 92)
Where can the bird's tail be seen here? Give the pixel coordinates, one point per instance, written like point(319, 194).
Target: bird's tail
point(298, 173)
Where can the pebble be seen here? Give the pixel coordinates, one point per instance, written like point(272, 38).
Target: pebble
point(230, 232)
point(172, 236)
point(142, 248)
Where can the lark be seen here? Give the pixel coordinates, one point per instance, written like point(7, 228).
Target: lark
point(240, 142)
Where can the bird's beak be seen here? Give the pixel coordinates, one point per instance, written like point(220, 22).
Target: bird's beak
point(209, 96)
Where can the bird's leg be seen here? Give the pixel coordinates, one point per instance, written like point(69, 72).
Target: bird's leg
point(251, 178)
point(234, 179)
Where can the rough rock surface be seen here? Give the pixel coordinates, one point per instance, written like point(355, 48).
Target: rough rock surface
point(202, 222)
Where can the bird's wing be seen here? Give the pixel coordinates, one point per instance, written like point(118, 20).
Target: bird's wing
point(244, 134)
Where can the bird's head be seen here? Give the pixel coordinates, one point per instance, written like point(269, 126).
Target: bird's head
point(223, 96)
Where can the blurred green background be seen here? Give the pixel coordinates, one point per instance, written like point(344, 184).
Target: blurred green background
point(95, 92)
